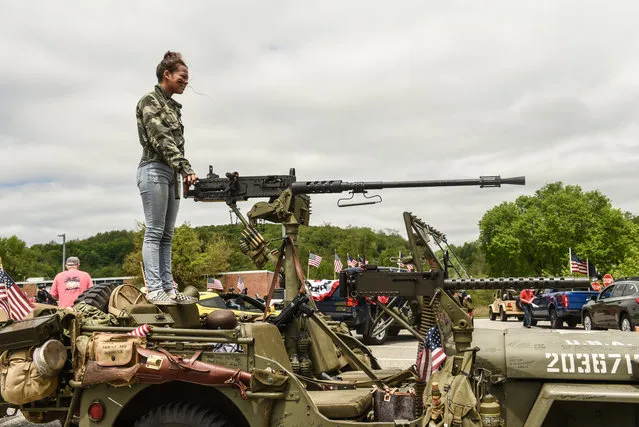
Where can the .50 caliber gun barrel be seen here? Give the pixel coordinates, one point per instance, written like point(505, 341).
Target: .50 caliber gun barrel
point(375, 282)
point(339, 186)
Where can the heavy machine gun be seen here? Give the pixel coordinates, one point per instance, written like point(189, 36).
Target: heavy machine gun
point(289, 203)
point(233, 187)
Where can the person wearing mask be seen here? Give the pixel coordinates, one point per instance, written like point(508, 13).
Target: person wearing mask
point(161, 171)
point(69, 284)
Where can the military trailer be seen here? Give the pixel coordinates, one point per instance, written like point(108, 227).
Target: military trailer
point(116, 360)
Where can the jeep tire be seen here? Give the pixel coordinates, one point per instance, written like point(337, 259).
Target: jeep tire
point(98, 296)
point(178, 414)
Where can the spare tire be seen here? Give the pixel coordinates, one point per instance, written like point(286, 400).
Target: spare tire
point(98, 296)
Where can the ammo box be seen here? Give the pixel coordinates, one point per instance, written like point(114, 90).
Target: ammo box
point(29, 332)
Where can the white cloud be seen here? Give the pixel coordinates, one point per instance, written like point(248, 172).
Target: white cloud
point(359, 91)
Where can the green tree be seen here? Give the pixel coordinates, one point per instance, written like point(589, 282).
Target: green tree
point(192, 258)
point(18, 261)
point(630, 264)
point(532, 235)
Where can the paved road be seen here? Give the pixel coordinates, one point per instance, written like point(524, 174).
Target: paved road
point(401, 351)
point(398, 352)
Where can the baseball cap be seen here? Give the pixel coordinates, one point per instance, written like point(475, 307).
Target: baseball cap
point(73, 260)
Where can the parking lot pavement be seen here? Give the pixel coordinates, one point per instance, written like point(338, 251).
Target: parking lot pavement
point(401, 351)
point(19, 421)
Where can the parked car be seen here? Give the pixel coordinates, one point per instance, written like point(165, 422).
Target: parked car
point(560, 306)
point(245, 307)
point(505, 305)
point(615, 307)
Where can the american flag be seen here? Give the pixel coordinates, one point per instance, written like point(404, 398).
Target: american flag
point(314, 260)
point(576, 264)
point(240, 284)
point(337, 264)
point(141, 331)
point(432, 356)
point(215, 285)
point(351, 262)
point(400, 264)
point(362, 262)
point(13, 301)
point(410, 267)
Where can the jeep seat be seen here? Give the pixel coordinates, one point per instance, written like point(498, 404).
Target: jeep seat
point(268, 342)
point(342, 404)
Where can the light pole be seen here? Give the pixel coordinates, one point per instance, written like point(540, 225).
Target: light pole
point(64, 248)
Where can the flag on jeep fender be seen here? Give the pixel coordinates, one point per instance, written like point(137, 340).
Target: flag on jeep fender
point(13, 301)
point(141, 331)
point(432, 356)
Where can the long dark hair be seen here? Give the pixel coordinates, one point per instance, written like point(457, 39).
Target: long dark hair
point(171, 62)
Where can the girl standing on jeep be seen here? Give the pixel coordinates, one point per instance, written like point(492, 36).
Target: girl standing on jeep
point(161, 134)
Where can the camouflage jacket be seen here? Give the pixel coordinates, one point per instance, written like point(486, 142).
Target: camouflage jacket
point(161, 131)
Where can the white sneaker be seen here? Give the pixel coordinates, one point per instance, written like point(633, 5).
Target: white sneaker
point(160, 298)
point(180, 298)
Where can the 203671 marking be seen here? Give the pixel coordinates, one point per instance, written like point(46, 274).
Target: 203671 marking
point(589, 363)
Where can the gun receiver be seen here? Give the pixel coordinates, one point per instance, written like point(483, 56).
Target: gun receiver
point(295, 308)
point(234, 187)
point(379, 281)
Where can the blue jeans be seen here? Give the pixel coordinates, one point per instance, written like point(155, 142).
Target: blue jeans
point(157, 188)
point(527, 309)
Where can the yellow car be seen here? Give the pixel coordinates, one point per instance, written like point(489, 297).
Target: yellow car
point(246, 308)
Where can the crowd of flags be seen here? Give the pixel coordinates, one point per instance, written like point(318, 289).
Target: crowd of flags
point(315, 260)
point(578, 265)
point(13, 301)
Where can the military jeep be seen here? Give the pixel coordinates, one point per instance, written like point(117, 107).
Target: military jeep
point(505, 305)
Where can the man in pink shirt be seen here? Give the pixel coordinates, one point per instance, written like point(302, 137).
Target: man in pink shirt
point(68, 285)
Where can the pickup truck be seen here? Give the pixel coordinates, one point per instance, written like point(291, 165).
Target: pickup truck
point(559, 306)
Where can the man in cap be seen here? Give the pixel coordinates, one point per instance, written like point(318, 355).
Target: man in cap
point(68, 285)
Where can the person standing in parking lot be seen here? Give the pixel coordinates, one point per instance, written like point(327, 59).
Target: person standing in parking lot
point(69, 284)
point(526, 297)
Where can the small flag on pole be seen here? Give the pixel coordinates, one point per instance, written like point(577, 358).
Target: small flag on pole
point(240, 284)
point(592, 270)
point(314, 260)
point(410, 267)
point(337, 264)
point(400, 264)
point(215, 285)
point(351, 262)
point(432, 356)
point(576, 264)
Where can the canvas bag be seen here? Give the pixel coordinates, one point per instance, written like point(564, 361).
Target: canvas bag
point(457, 395)
point(21, 381)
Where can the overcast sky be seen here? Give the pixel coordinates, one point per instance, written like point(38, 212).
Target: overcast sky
point(366, 91)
